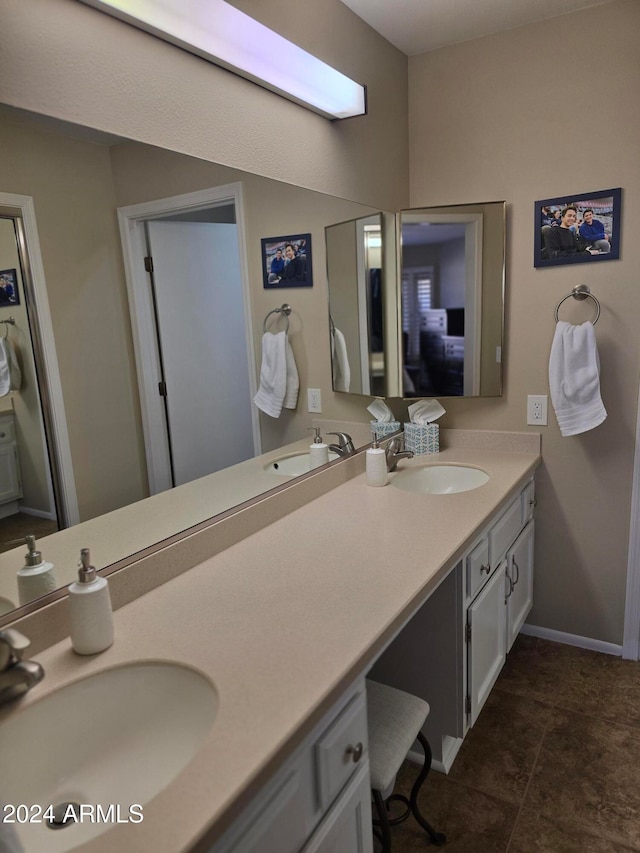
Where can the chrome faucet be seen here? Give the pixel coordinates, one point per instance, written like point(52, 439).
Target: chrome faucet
point(17, 676)
point(344, 447)
point(394, 454)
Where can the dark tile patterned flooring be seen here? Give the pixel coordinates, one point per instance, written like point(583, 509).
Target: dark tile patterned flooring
point(551, 766)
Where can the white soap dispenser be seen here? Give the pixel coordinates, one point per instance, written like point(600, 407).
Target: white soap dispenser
point(36, 577)
point(318, 451)
point(376, 467)
point(90, 610)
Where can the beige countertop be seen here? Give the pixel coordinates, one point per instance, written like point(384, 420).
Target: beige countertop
point(282, 623)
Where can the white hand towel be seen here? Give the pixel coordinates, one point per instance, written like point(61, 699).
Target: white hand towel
point(293, 383)
point(273, 374)
point(341, 368)
point(10, 373)
point(574, 378)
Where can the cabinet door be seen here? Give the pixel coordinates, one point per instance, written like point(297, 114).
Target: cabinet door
point(486, 647)
point(520, 574)
point(347, 825)
point(10, 487)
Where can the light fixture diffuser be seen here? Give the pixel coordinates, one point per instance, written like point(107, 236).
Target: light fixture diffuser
point(222, 34)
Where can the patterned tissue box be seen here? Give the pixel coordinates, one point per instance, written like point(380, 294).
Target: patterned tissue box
point(384, 429)
point(422, 438)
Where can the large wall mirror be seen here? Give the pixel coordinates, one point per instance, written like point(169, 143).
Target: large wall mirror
point(98, 301)
point(429, 320)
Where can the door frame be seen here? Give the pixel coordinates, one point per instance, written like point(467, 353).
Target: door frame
point(50, 387)
point(631, 635)
point(131, 220)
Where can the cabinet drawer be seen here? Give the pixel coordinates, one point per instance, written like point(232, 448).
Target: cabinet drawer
point(504, 531)
point(7, 429)
point(478, 567)
point(528, 501)
point(340, 749)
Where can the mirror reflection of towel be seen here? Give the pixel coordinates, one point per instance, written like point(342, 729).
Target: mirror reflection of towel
point(279, 383)
point(10, 373)
point(340, 360)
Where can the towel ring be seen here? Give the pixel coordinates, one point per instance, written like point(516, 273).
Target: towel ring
point(580, 291)
point(285, 310)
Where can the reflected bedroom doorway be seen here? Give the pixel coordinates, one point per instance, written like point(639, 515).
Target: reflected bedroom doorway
point(191, 320)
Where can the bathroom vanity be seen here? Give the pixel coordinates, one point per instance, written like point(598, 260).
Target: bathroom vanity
point(287, 622)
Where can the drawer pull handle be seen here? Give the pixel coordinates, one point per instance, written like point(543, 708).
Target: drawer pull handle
point(486, 569)
point(517, 568)
point(355, 752)
point(533, 502)
point(2, 434)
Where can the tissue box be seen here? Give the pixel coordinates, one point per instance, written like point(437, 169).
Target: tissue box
point(422, 438)
point(384, 429)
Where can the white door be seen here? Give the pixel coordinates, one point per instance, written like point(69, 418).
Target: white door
point(202, 336)
point(520, 577)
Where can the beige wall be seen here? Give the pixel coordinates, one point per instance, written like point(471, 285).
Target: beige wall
point(548, 110)
point(62, 58)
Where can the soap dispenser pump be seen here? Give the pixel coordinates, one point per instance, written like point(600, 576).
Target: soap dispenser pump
point(376, 464)
point(318, 451)
point(90, 609)
point(36, 577)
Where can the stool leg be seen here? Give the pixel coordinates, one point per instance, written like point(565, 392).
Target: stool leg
point(383, 822)
point(436, 837)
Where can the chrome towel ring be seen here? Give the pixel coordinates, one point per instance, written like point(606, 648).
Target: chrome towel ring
point(580, 291)
point(285, 310)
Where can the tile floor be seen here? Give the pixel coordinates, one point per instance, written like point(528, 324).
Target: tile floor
point(551, 766)
point(17, 526)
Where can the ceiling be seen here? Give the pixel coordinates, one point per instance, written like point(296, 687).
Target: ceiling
point(416, 26)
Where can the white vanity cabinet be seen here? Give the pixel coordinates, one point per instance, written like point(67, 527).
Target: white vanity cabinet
point(499, 577)
point(320, 799)
point(10, 483)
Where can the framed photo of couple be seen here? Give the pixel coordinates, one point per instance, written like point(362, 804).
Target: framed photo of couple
point(582, 228)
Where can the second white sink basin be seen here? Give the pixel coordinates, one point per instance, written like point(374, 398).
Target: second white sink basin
point(439, 479)
point(294, 464)
point(114, 738)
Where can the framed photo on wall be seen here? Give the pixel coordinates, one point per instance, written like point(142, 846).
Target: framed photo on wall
point(9, 288)
point(286, 261)
point(582, 228)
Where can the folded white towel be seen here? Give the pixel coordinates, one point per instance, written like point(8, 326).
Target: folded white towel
point(340, 361)
point(574, 378)
point(279, 382)
point(10, 373)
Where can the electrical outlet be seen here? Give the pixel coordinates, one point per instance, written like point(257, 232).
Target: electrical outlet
point(314, 400)
point(537, 409)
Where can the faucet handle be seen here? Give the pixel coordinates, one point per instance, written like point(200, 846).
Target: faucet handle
point(12, 645)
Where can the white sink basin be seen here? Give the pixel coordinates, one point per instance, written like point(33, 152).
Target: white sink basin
point(294, 464)
point(117, 737)
point(439, 479)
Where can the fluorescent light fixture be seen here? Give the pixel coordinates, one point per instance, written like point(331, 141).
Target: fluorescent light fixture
point(227, 37)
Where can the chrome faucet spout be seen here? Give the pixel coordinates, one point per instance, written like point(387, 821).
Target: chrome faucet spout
point(345, 446)
point(394, 454)
point(17, 676)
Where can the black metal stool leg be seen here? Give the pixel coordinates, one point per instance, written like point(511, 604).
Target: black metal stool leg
point(436, 837)
point(384, 835)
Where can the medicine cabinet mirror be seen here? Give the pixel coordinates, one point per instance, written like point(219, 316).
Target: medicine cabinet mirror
point(417, 309)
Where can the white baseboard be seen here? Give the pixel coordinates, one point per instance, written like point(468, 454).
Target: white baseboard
point(38, 513)
point(572, 640)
